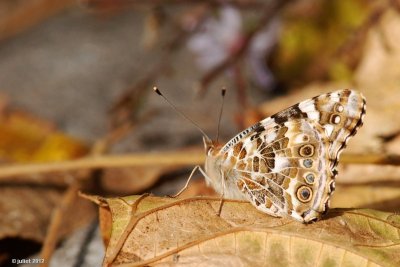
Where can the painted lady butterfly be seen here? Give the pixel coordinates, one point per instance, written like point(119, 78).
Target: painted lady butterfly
point(285, 165)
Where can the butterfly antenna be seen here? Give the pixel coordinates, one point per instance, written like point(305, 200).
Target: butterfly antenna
point(223, 92)
point(155, 88)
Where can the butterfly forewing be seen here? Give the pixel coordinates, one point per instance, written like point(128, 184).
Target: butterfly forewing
point(285, 164)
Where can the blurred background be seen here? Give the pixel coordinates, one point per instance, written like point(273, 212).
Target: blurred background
point(76, 80)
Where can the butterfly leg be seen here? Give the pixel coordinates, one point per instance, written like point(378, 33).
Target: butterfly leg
point(187, 181)
point(222, 194)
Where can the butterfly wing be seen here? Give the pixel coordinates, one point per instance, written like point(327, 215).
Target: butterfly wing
point(285, 164)
point(340, 113)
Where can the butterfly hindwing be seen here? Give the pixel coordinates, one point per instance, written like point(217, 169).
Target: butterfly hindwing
point(281, 176)
point(285, 164)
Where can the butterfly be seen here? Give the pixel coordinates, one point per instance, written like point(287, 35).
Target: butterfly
point(285, 165)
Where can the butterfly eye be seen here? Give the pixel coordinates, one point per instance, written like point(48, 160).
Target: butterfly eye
point(306, 150)
point(335, 119)
point(304, 194)
point(310, 178)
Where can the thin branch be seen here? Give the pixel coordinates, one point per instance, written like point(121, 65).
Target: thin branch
point(269, 13)
point(110, 161)
point(378, 159)
point(57, 218)
point(119, 4)
point(68, 199)
point(159, 159)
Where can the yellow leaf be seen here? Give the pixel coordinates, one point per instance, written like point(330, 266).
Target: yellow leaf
point(24, 138)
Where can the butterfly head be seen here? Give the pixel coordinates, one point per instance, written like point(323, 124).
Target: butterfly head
point(211, 147)
point(208, 144)
point(212, 164)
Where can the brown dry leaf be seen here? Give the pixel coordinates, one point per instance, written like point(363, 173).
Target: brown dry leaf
point(26, 212)
point(171, 232)
point(198, 188)
point(23, 211)
point(383, 196)
point(373, 195)
point(378, 73)
point(124, 180)
point(393, 145)
point(27, 202)
point(367, 174)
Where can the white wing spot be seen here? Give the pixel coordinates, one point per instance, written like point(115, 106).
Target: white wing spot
point(309, 108)
point(270, 137)
point(329, 129)
point(280, 163)
point(301, 138)
point(339, 108)
point(335, 119)
point(313, 115)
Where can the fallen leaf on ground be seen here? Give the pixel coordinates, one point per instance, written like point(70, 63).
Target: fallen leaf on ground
point(188, 232)
point(383, 197)
point(378, 72)
point(198, 187)
point(123, 180)
point(26, 212)
point(26, 138)
point(27, 202)
point(368, 173)
point(23, 211)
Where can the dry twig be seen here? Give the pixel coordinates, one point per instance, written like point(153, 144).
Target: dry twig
point(151, 159)
point(267, 15)
point(120, 4)
point(57, 218)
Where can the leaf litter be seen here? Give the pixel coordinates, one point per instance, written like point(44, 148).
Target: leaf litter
point(27, 201)
point(186, 232)
point(165, 231)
